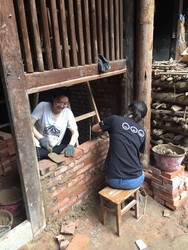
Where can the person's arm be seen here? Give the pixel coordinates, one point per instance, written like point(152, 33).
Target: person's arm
point(37, 135)
point(96, 128)
point(74, 137)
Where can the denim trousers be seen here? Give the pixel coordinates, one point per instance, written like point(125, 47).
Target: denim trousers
point(125, 184)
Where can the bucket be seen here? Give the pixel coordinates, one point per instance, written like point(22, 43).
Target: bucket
point(11, 200)
point(6, 221)
point(168, 157)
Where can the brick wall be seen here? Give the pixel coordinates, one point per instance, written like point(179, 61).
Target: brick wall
point(68, 184)
point(8, 163)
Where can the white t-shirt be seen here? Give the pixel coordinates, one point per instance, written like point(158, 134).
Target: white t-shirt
point(51, 127)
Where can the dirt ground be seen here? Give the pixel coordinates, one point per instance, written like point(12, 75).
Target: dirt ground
point(160, 228)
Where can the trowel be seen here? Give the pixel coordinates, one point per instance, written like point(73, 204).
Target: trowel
point(58, 158)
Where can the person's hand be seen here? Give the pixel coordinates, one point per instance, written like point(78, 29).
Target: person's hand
point(44, 143)
point(69, 151)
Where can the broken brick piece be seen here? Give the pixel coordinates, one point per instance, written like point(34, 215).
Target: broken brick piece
point(68, 229)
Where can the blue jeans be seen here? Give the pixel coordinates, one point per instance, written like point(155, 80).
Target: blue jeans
point(125, 184)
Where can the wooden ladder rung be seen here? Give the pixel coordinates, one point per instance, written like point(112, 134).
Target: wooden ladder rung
point(85, 116)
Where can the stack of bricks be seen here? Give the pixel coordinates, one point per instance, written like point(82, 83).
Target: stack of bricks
point(8, 163)
point(170, 188)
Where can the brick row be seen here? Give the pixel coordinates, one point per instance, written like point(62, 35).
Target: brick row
point(170, 188)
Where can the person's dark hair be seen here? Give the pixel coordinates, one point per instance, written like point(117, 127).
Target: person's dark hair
point(138, 110)
point(57, 93)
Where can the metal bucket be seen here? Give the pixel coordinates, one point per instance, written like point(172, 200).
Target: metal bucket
point(168, 157)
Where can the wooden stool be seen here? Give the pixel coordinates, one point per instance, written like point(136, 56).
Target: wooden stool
point(118, 198)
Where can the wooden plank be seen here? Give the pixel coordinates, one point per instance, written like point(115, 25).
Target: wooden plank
point(36, 37)
point(92, 102)
point(129, 45)
point(13, 80)
point(38, 79)
point(106, 30)
point(99, 27)
point(73, 42)
point(25, 37)
point(56, 37)
point(64, 34)
point(111, 17)
point(85, 116)
point(94, 48)
point(87, 32)
point(117, 28)
point(46, 35)
point(68, 83)
point(121, 46)
point(81, 47)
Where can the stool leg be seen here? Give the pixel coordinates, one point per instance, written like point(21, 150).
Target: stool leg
point(136, 197)
point(118, 219)
point(103, 211)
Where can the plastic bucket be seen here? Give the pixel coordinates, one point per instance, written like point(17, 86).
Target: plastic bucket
point(168, 157)
point(11, 200)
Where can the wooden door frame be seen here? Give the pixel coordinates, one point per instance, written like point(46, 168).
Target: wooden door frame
point(13, 79)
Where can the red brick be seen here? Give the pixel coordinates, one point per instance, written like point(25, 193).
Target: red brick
point(72, 182)
point(89, 145)
point(170, 196)
point(2, 144)
point(46, 166)
point(60, 204)
point(177, 204)
point(79, 242)
point(4, 135)
point(159, 200)
point(11, 150)
point(171, 175)
point(155, 171)
point(166, 198)
point(155, 180)
point(162, 188)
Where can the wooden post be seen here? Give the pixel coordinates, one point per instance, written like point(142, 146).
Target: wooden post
point(129, 41)
point(143, 59)
point(12, 73)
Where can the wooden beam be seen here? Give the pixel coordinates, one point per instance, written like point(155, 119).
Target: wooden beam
point(12, 74)
point(144, 51)
point(40, 81)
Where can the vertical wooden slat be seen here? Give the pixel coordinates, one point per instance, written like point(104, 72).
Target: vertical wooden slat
point(37, 53)
point(56, 37)
point(73, 42)
point(87, 32)
point(13, 79)
point(64, 34)
point(46, 35)
point(111, 15)
point(106, 29)
point(94, 32)
point(117, 29)
point(99, 27)
point(121, 28)
point(25, 37)
point(81, 48)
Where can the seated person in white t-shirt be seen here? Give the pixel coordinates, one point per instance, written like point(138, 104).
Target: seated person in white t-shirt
point(50, 121)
